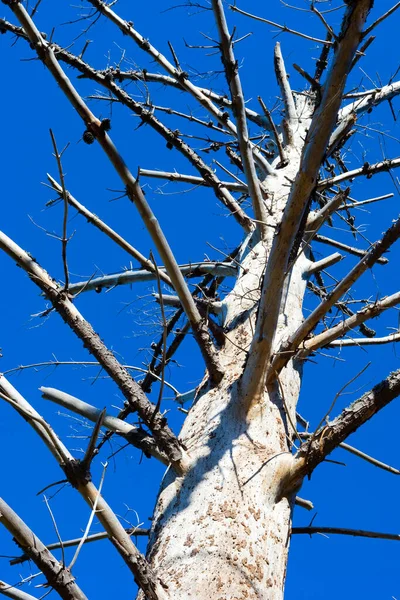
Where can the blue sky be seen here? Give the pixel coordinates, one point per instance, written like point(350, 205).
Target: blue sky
point(357, 495)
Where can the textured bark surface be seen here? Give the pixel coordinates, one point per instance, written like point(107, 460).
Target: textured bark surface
point(223, 530)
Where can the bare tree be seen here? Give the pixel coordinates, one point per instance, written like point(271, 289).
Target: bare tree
point(284, 175)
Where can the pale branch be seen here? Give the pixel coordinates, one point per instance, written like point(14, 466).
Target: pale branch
point(316, 449)
point(84, 363)
point(316, 219)
point(360, 454)
point(231, 68)
point(213, 307)
point(355, 204)
point(45, 432)
point(330, 335)
point(367, 170)
point(296, 341)
point(370, 99)
point(350, 249)
point(172, 139)
point(370, 459)
point(362, 50)
point(192, 179)
point(322, 124)
point(387, 339)
point(307, 504)
point(324, 263)
point(164, 437)
point(11, 591)
point(57, 575)
point(381, 18)
point(345, 531)
point(113, 235)
point(81, 481)
point(132, 276)
point(63, 195)
point(147, 77)
point(176, 72)
point(341, 133)
point(281, 150)
point(283, 28)
point(291, 117)
point(94, 537)
point(136, 436)
point(45, 52)
point(342, 306)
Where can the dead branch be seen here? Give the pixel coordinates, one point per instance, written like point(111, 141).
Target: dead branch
point(345, 531)
point(58, 577)
point(81, 481)
point(368, 312)
point(290, 120)
point(113, 235)
point(322, 123)
point(295, 342)
point(350, 249)
point(14, 592)
point(94, 537)
point(180, 177)
point(231, 68)
point(283, 28)
point(177, 73)
point(313, 452)
point(70, 314)
point(147, 117)
point(127, 277)
point(367, 170)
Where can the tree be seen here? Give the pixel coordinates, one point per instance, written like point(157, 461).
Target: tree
point(283, 170)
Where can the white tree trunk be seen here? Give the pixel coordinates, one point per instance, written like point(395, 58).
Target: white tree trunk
point(223, 530)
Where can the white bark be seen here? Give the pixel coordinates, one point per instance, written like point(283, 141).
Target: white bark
point(223, 530)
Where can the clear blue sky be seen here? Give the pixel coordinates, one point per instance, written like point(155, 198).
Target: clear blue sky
point(357, 495)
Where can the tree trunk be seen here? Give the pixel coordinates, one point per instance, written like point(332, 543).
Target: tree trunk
point(222, 531)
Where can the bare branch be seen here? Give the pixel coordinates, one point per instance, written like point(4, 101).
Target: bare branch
point(360, 454)
point(175, 72)
point(312, 453)
point(286, 91)
point(289, 347)
point(368, 312)
point(315, 220)
point(80, 480)
point(94, 537)
point(281, 150)
point(350, 249)
point(128, 276)
point(14, 592)
point(324, 263)
point(231, 68)
point(345, 531)
point(281, 27)
point(388, 339)
point(45, 52)
point(70, 314)
point(322, 123)
point(63, 194)
point(113, 235)
point(147, 77)
point(175, 141)
point(57, 575)
point(369, 99)
point(367, 170)
point(229, 185)
point(381, 18)
point(134, 435)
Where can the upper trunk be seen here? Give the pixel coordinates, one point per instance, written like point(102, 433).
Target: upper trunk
point(222, 531)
